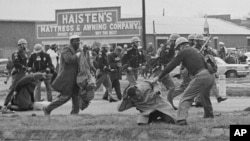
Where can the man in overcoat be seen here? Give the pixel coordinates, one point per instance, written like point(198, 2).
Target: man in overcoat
point(65, 82)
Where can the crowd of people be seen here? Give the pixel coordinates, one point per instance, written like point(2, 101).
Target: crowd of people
point(76, 72)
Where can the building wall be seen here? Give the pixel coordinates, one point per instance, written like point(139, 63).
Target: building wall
point(11, 32)
point(238, 41)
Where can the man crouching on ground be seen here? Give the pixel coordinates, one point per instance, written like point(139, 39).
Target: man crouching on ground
point(21, 97)
point(147, 98)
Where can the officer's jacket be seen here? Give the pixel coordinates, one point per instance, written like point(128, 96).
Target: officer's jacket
point(39, 62)
point(133, 58)
point(164, 57)
point(114, 62)
point(19, 59)
point(101, 61)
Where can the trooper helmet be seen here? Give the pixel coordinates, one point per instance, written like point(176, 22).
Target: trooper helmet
point(135, 39)
point(21, 41)
point(180, 41)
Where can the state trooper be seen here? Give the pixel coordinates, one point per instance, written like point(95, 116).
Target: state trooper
point(19, 59)
point(166, 55)
point(102, 72)
point(114, 59)
point(191, 38)
point(132, 60)
point(40, 61)
point(200, 40)
point(201, 84)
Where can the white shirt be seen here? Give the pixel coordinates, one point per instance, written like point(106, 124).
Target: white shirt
point(53, 55)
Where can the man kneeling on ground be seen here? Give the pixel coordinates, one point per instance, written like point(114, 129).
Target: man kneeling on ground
point(146, 98)
point(21, 97)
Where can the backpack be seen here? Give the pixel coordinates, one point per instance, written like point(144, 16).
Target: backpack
point(210, 63)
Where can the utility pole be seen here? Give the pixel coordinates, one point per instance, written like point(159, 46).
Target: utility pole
point(144, 25)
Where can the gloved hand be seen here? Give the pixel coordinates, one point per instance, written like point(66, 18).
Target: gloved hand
point(143, 67)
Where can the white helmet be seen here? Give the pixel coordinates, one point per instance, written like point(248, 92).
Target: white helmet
point(191, 37)
point(174, 36)
point(38, 48)
point(21, 41)
point(135, 39)
point(180, 41)
point(199, 37)
point(221, 43)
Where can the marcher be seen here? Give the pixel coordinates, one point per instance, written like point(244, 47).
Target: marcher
point(201, 84)
point(40, 61)
point(85, 80)
point(19, 59)
point(114, 60)
point(102, 73)
point(65, 82)
point(166, 55)
point(131, 61)
point(21, 97)
point(147, 99)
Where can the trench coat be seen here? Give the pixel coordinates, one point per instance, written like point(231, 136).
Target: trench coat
point(65, 82)
point(151, 100)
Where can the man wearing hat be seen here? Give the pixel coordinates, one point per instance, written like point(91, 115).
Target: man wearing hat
point(166, 55)
point(132, 60)
point(65, 82)
point(40, 61)
point(19, 59)
point(102, 73)
point(147, 99)
point(201, 84)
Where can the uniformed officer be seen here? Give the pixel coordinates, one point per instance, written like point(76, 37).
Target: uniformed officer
point(40, 61)
point(166, 56)
point(19, 59)
point(132, 60)
point(102, 72)
point(114, 59)
point(201, 84)
point(191, 38)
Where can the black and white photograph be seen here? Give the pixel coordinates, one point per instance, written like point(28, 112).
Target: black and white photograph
point(124, 70)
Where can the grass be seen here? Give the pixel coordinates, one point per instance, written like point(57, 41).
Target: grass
point(117, 127)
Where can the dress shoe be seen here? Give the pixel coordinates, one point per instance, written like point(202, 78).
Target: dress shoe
point(220, 99)
point(46, 113)
point(181, 122)
point(112, 100)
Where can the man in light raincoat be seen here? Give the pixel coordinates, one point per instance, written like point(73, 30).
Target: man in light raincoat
point(146, 98)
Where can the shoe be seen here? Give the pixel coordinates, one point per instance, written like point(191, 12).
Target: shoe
point(181, 122)
point(247, 109)
point(7, 111)
point(112, 100)
point(196, 104)
point(46, 113)
point(105, 98)
point(220, 99)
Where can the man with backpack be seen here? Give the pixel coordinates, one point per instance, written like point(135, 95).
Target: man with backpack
point(201, 84)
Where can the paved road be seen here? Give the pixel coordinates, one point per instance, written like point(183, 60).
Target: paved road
point(99, 107)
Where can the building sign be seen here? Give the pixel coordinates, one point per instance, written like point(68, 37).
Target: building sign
point(89, 23)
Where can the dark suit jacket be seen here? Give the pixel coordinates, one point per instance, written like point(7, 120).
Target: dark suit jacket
point(65, 82)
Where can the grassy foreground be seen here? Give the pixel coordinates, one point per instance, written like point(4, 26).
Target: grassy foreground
point(116, 128)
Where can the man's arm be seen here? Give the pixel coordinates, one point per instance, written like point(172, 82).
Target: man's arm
point(68, 56)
